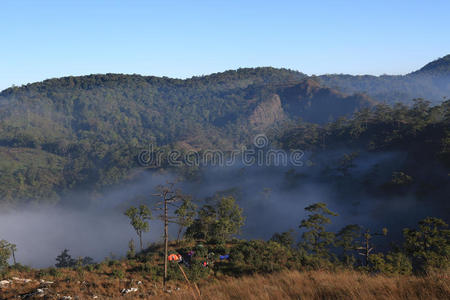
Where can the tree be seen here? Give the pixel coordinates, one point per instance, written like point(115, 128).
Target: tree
point(429, 245)
point(202, 225)
point(13, 252)
point(5, 252)
point(217, 222)
point(185, 215)
point(401, 179)
point(367, 246)
point(285, 239)
point(391, 263)
point(229, 218)
point(347, 239)
point(316, 239)
point(169, 196)
point(131, 253)
point(87, 261)
point(347, 162)
point(138, 219)
point(64, 260)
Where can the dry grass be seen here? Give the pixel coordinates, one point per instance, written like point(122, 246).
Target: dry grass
point(284, 285)
point(325, 285)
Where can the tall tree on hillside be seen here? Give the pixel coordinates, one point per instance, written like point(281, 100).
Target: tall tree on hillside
point(316, 239)
point(5, 253)
point(185, 214)
point(217, 222)
point(203, 225)
point(429, 244)
point(169, 197)
point(348, 240)
point(230, 218)
point(366, 247)
point(139, 220)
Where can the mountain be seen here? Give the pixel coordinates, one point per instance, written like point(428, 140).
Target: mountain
point(432, 82)
point(136, 109)
point(314, 103)
point(86, 131)
point(90, 128)
point(438, 67)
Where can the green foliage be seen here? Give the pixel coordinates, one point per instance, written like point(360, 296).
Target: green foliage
point(316, 239)
point(138, 219)
point(50, 272)
point(230, 219)
point(418, 134)
point(217, 223)
point(5, 252)
point(29, 174)
point(86, 132)
point(113, 262)
point(260, 257)
point(149, 269)
point(131, 253)
point(96, 125)
point(118, 273)
point(185, 214)
point(348, 241)
point(428, 245)
point(391, 263)
point(21, 268)
point(65, 260)
point(197, 271)
point(285, 239)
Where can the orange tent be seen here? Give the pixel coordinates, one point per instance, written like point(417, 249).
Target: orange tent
point(174, 257)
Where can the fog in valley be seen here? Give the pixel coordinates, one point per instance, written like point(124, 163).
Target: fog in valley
point(273, 200)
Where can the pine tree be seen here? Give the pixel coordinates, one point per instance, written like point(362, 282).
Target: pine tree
point(138, 219)
point(316, 239)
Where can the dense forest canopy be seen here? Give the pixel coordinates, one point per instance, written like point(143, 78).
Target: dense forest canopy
point(85, 132)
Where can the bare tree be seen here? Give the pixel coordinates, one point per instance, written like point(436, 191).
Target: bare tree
point(169, 196)
point(367, 246)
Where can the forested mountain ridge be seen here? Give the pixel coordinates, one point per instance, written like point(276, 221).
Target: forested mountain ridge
point(432, 82)
point(437, 67)
point(119, 108)
point(96, 124)
point(86, 131)
point(419, 137)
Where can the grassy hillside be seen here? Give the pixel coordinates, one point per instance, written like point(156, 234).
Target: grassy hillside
point(283, 285)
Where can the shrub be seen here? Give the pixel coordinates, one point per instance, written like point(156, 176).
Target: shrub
point(261, 257)
point(391, 263)
point(118, 273)
point(21, 268)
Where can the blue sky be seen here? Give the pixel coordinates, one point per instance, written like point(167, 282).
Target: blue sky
point(46, 39)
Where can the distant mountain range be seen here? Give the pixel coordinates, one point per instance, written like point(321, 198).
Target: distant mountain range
point(432, 82)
